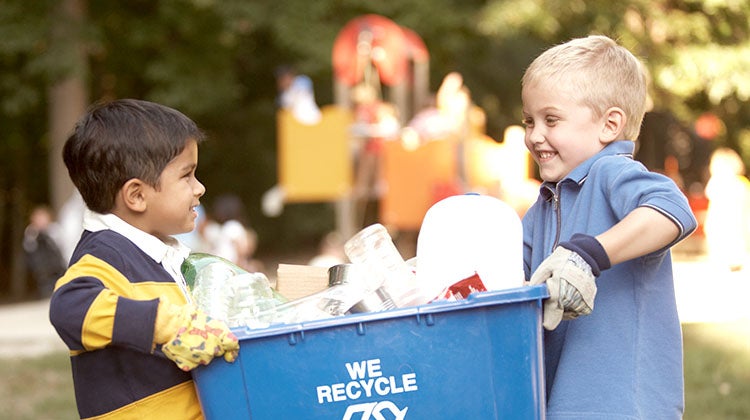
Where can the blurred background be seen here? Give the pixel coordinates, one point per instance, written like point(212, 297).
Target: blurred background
point(219, 63)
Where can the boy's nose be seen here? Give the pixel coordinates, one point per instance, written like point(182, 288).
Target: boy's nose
point(534, 136)
point(199, 189)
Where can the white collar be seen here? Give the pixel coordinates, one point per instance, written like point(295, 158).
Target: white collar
point(150, 244)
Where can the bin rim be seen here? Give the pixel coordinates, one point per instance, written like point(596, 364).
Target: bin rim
point(474, 300)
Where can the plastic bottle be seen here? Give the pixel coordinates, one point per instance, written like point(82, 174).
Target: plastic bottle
point(227, 292)
point(374, 250)
point(469, 234)
point(242, 299)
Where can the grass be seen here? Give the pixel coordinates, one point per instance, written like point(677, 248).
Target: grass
point(38, 388)
point(717, 378)
point(717, 370)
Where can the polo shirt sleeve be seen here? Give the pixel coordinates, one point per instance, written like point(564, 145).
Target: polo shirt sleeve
point(90, 310)
point(635, 186)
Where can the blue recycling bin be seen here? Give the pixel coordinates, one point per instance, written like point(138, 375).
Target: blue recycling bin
point(478, 358)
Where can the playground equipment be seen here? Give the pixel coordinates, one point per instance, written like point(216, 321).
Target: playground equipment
point(319, 162)
point(375, 51)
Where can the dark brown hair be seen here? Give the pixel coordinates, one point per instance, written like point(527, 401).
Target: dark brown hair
point(121, 140)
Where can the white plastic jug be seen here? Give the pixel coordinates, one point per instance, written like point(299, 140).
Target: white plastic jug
point(466, 234)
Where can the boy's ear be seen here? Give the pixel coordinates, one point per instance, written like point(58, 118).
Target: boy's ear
point(133, 195)
point(614, 125)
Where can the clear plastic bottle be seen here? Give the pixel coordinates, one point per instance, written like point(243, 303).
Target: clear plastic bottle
point(212, 291)
point(242, 299)
point(229, 293)
point(374, 250)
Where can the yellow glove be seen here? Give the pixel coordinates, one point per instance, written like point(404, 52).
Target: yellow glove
point(191, 338)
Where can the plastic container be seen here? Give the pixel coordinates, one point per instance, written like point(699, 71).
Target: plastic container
point(374, 250)
point(478, 358)
point(466, 234)
point(229, 293)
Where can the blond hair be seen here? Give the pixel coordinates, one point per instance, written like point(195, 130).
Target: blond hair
point(602, 74)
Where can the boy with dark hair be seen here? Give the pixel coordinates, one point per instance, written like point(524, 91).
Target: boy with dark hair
point(123, 308)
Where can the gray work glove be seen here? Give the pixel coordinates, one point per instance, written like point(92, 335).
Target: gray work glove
point(570, 276)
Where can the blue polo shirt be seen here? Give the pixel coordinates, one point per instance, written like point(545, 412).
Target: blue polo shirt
point(624, 360)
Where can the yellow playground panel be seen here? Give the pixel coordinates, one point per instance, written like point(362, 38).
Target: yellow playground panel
point(315, 163)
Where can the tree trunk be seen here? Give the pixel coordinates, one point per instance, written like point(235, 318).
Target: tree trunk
point(67, 102)
point(68, 97)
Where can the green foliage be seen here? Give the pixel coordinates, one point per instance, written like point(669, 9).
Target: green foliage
point(22, 38)
point(214, 60)
point(696, 50)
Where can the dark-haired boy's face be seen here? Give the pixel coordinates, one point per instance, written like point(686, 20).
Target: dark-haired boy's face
point(171, 207)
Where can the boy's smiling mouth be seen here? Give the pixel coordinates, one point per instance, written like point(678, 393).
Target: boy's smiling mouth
point(545, 155)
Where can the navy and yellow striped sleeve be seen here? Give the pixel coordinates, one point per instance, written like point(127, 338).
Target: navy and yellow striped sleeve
point(109, 295)
point(94, 307)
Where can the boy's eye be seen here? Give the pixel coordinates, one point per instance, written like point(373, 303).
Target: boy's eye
point(528, 122)
point(551, 120)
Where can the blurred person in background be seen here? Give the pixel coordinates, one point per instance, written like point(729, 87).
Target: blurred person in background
point(44, 259)
point(296, 94)
point(196, 238)
point(727, 224)
point(70, 221)
point(228, 235)
point(330, 252)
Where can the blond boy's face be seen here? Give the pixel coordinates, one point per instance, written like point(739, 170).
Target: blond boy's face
point(171, 207)
point(560, 132)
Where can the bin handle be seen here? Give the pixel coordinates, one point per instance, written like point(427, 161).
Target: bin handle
point(429, 319)
point(292, 339)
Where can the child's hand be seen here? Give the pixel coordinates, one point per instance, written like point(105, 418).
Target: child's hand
point(197, 339)
point(570, 274)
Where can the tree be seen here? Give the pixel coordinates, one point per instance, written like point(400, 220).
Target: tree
point(214, 61)
point(696, 51)
point(68, 93)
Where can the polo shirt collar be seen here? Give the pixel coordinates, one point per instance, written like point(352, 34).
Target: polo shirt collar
point(581, 172)
point(150, 244)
